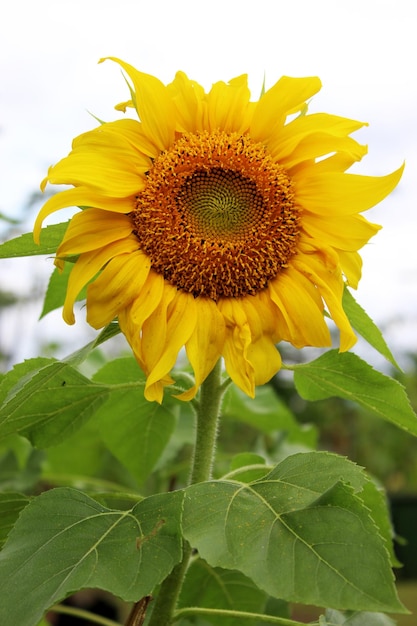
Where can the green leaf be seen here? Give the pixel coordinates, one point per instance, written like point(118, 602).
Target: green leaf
point(49, 402)
point(11, 504)
point(65, 541)
point(134, 430)
point(13, 476)
point(347, 376)
point(243, 459)
point(89, 461)
point(217, 588)
point(302, 533)
point(247, 467)
point(363, 324)
point(51, 237)
point(266, 412)
point(109, 331)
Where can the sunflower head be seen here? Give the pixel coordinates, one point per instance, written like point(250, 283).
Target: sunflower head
point(216, 223)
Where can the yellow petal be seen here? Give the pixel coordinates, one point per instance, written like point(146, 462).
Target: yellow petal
point(131, 318)
point(189, 101)
point(237, 340)
point(227, 105)
point(274, 106)
point(262, 352)
point(343, 194)
point(153, 104)
point(92, 229)
point(118, 135)
point(80, 196)
point(347, 232)
point(205, 345)
point(117, 286)
point(319, 145)
point(165, 333)
point(330, 286)
point(351, 264)
point(316, 135)
point(302, 309)
point(87, 266)
point(104, 160)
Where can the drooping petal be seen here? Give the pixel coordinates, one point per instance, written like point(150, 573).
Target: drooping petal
point(87, 266)
point(237, 340)
point(302, 309)
point(131, 318)
point(351, 264)
point(117, 286)
point(153, 104)
point(261, 353)
point(330, 285)
point(165, 332)
point(205, 345)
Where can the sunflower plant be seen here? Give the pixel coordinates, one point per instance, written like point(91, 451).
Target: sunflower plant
point(214, 232)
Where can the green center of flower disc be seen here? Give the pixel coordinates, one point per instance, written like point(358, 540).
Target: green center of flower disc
point(220, 204)
point(217, 217)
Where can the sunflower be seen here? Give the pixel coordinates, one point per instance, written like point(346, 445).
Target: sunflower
point(216, 223)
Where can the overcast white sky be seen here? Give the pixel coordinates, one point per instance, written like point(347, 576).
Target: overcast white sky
point(363, 50)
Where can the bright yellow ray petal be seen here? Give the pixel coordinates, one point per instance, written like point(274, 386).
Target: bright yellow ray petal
point(316, 146)
point(262, 352)
point(189, 101)
point(87, 266)
point(347, 232)
point(123, 136)
point(237, 340)
point(343, 194)
point(204, 347)
point(302, 309)
point(319, 122)
point(330, 285)
point(80, 196)
point(227, 105)
point(117, 286)
point(316, 135)
point(153, 104)
point(92, 229)
point(132, 318)
point(351, 264)
point(104, 161)
point(177, 314)
point(274, 106)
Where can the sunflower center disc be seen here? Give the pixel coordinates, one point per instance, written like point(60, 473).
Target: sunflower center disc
point(217, 217)
point(220, 204)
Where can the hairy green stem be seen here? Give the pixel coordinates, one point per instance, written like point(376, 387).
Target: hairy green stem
point(208, 410)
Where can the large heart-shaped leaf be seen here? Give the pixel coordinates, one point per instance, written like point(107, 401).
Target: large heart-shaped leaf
point(303, 533)
point(65, 541)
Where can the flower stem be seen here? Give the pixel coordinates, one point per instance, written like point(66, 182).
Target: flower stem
point(208, 410)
